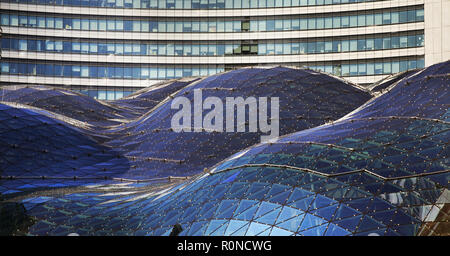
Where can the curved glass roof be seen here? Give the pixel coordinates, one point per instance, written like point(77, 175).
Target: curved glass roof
point(382, 169)
point(135, 133)
point(156, 150)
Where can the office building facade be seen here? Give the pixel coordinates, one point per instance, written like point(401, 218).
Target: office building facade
point(110, 48)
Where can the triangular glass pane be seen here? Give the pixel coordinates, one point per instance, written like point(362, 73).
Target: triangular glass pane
point(214, 225)
point(280, 232)
point(407, 230)
point(244, 205)
point(291, 224)
point(226, 209)
point(302, 204)
point(265, 208)
point(241, 231)
point(270, 217)
point(280, 198)
point(321, 201)
point(311, 221)
point(234, 226)
point(256, 228)
point(221, 230)
point(316, 231)
point(349, 223)
point(247, 214)
point(344, 211)
point(326, 212)
point(334, 230)
point(277, 188)
point(198, 228)
point(287, 213)
point(368, 223)
point(298, 194)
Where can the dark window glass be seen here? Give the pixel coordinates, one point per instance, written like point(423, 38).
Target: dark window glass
point(5, 43)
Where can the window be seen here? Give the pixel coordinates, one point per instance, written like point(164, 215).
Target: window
point(387, 67)
point(387, 18)
point(353, 21)
point(361, 20)
point(22, 45)
point(5, 20)
point(378, 18)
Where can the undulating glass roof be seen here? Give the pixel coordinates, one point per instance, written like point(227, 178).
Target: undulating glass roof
point(382, 169)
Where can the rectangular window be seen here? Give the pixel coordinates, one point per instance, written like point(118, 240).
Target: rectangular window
point(345, 69)
point(345, 45)
point(85, 24)
point(23, 21)
point(387, 18)
point(5, 67)
point(336, 22)
point(369, 20)
point(278, 25)
point(386, 43)
point(171, 26)
point(14, 20)
point(378, 68)
point(353, 45)
point(420, 40)
point(41, 22)
point(361, 45)
point(387, 67)
point(312, 23)
point(295, 24)
point(58, 46)
point(395, 18)
point(119, 25)
point(136, 25)
point(287, 25)
point(361, 20)
point(403, 16)
point(328, 46)
point(362, 69)
point(370, 44)
point(353, 69)
point(5, 19)
point(411, 15)
point(93, 48)
point(76, 23)
point(320, 23)
point(345, 21)
point(320, 47)
point(32, 22)
point(353, 21)
point(370, 69)
point(145, 26)
point(378, 43)
point(102, 25)
point(412, 41)
point(403, 41)
point(395, 67)
point(395, 42)
point(420, 15)
point(84, 72)
point(378, 18)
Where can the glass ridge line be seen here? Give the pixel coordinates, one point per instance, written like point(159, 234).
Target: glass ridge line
point(328, 175)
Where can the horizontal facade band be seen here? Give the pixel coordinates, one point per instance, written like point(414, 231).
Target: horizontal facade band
point(251, 12)
point(96, 82)
point(80, 81)
point(252, 59)
point(227, 36)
